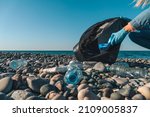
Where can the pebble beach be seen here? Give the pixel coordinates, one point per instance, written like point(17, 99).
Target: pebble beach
point(40, 80)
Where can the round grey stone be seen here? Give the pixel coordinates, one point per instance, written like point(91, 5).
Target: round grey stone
point(36, 83)
point(21, 95)
point(47, 88)
point(138, 97)
point(6, 84)
point(125, 92)
point(99, 66)
point(116, 96)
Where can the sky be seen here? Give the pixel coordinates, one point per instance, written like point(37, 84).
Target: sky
point(57, 24)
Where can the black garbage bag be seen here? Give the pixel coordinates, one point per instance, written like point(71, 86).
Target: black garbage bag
point(87, 47)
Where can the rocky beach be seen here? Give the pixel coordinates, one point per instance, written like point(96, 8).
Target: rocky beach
point(42, 79)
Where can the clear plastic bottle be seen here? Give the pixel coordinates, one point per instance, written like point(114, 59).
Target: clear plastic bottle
point(74, 73)
point(125, 71)
point(16, 64)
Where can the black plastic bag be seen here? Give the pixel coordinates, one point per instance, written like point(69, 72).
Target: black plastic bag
point(87, 48)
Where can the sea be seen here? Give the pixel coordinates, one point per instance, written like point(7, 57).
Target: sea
point(122, 54)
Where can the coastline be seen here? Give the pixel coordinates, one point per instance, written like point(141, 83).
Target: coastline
point(32, 82)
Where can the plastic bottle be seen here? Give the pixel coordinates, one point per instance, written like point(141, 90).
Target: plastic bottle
point(125, 71)
point(74, 73)
point(16, 64)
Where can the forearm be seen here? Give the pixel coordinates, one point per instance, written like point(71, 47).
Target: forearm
point(142, 21)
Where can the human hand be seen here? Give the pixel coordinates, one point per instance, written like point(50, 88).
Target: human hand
point(117, 37)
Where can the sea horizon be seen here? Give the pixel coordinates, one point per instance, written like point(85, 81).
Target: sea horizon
point(122, 53)
point(63, 50)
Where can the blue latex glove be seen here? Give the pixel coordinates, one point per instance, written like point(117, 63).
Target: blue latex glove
point(117, 37)
point(104, 46)
point(114, 39)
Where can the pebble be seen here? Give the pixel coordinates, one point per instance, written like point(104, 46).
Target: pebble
point(88, 64)
point(145, 91)
point(116, 96)
point(35, 98)
point(59, 85)
point(121, 81)
point(36, 83)
point(138, 97)
point(17, 81)
point(88, 71)
point(83, 81)
point(125, 92)
point(6, 84)
point(3, 96)
point(74, 92)
point(56, 78)
point(147, 85)
point(66, 93)
point(2, 75)
point(21, 95)
point(47, 88)
point(107, 92)
point(143, 80)
point(99, 66)
point(107, 85)
point(50, 95)
point(58, 97)
point(105, 98)
point(57, 69)
point(45, 69)
point(86, 94)
point(82, 86)
point(72, 98)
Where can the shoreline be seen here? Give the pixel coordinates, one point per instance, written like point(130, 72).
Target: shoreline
point(33, 83)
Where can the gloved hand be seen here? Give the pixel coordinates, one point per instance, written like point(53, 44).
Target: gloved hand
point(114, 39)
point(117, 37)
